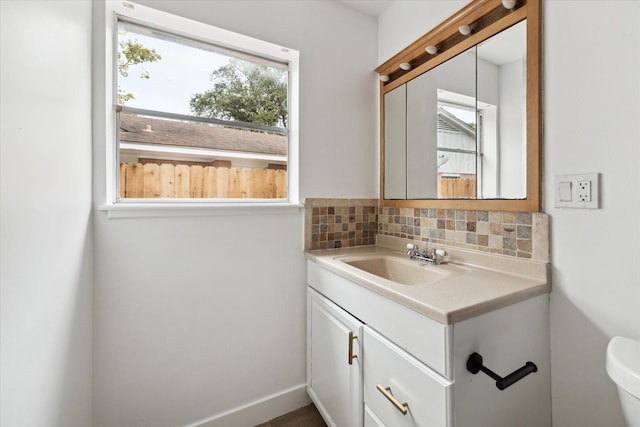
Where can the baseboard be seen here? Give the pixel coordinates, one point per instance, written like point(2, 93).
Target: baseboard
point(261, 410)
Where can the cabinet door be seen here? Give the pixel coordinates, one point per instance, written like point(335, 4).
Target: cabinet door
point(395, 143)
point(334, 365)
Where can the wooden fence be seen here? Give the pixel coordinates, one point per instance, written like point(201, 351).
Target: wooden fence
point(152, 180)
point(462, 187)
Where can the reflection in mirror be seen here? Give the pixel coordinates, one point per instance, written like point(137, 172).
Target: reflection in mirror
point(425, 113)
point(457, 149)
point(458, 131)
point(502, 122)
point(395, 146)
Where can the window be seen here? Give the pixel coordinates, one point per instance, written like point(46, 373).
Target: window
point(458, 165)
point(199, 113)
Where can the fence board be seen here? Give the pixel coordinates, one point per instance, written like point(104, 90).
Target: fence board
point(151, 182)
point(209, 183)
point(167, 181)
point(182, 181)
point(234, 183)
point(123, 179)
point(195, 181)
point(463, 187)
point(257, 188)
point(245, 180)
point(270, 183)
point(281, 184)
point(224, 182)
point(134, 180)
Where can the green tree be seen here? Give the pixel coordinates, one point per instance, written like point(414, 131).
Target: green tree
point(131, 52)
point(245, 92)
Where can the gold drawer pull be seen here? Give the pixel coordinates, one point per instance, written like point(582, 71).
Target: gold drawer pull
point(402, 407)
point(351, 355)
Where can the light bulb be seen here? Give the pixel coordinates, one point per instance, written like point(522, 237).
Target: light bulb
point(509, 4)
point(384, 78)
point(431, 50)
point(405, 66)
point(465, 30)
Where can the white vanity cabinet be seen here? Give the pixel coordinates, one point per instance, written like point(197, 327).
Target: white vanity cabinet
point(334, 366)
point(411, 370)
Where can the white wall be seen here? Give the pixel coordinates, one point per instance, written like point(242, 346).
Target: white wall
point(198, 316)
point(591, 109)
point(45, 214)
point(405, 21)
point(592, 106)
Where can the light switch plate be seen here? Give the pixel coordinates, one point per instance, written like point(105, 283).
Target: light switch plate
point(580, 191)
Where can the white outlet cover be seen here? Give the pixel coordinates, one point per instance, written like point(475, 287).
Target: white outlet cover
point(584, 191)
point(567, 191)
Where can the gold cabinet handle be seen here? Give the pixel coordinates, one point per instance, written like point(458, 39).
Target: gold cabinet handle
point(402, 407)
point(351, 355)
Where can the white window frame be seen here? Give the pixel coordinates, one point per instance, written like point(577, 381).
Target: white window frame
point(207, 33)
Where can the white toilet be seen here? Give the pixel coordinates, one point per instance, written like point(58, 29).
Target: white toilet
point(623, 366)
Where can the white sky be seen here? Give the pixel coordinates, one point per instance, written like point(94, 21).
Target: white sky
point(182, 72)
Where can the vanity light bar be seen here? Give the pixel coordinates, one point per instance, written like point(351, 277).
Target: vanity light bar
point(464, 30)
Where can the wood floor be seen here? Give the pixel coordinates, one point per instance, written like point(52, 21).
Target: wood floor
point(303, 417)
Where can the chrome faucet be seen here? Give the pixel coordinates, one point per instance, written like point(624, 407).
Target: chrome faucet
point(433, 256)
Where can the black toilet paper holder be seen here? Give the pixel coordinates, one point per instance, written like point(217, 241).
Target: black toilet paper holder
point(474, 365)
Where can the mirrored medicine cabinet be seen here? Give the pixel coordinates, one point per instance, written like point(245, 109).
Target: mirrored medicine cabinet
point(460, 113)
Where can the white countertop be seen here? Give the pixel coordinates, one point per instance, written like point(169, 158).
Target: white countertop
point(476, 282)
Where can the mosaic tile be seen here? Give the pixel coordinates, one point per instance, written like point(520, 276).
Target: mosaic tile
point(508, 218)
point(339, 223)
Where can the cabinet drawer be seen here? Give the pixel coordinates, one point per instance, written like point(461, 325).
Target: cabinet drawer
point(395, 381)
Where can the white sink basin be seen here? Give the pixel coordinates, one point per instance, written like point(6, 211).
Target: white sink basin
point(398, 270)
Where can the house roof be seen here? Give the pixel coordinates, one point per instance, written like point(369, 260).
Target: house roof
point(449, 122)
point(146, 130)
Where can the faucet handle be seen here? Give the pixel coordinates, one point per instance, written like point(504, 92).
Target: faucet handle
point(411, 246)
point(437, 254)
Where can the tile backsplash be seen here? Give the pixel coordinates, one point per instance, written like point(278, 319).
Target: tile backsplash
point(519, 234)
point(339, 223)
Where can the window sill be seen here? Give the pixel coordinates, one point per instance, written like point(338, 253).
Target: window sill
point(189, 209)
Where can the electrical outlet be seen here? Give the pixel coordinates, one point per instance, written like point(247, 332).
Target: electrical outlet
point(584, 191)
point(577, 191)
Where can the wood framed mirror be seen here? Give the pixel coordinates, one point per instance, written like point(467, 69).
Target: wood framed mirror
point(417, 167)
